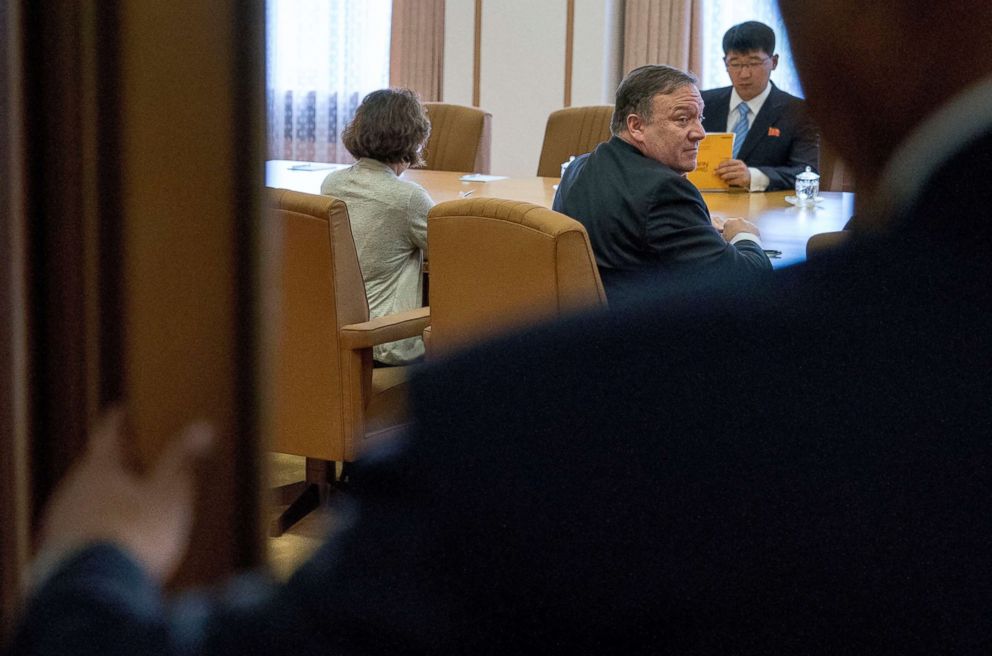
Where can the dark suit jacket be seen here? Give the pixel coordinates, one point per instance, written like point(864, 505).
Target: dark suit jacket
point(800, 465)
point(642, 216)
point(780, 155)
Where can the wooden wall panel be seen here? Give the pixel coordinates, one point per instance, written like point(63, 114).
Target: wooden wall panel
point(138, 204)
point(190, 121)
point(14, 480)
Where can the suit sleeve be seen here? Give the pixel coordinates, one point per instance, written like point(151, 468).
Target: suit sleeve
point(679, 231)
point(804, 150)
point(99, 601)
point(381, 584)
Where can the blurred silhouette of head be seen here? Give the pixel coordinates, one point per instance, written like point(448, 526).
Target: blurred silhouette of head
point(868, 86)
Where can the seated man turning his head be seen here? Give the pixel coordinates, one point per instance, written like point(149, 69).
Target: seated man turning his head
point(775, 138)
point(632, 196)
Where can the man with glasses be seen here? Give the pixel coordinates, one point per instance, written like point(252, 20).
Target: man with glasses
point(775, 139)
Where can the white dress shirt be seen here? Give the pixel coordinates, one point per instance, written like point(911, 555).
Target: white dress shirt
point(759, 181)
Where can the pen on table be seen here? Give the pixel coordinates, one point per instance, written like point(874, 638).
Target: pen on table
point(466, 194)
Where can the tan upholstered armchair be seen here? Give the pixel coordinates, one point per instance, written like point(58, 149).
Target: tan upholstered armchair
point(497, 265)
point(572, 131)
point(461, 138)
point(328, 401)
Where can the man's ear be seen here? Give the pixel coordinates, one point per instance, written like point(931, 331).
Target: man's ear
point(635, 127)
point(774, 62)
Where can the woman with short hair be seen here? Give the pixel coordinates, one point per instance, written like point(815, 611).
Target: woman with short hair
point(388, 214)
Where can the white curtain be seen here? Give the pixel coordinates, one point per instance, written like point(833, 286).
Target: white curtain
point(721, 15)
point(323, 56)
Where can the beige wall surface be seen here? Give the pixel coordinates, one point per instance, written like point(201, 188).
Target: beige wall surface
point(598, 51)
point(522, 73)
point(459, 48)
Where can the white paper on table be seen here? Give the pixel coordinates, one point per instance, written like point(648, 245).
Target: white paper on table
point(481, 177)
point(313, 166)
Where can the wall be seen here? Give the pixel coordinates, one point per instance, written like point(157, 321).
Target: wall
point(522, 67)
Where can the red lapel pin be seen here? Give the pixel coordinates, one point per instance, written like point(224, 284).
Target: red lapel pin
point(774, 132)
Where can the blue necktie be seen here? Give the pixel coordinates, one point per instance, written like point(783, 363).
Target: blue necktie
point(740, 130)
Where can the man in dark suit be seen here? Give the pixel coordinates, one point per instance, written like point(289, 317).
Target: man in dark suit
point(776, 139)
point(798, 466)
point(631, 194)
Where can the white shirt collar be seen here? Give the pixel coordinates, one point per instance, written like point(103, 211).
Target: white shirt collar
point(755, 104)
point(942, 134)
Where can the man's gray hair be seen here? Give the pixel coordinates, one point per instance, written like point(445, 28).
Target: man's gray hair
point(641, 85)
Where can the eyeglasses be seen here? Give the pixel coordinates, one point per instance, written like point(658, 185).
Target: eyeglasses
point(737, 67)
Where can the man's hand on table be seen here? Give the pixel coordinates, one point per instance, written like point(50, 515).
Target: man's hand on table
point(733, 226)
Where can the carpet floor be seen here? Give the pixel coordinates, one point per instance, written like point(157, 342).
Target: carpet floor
point(292, 548)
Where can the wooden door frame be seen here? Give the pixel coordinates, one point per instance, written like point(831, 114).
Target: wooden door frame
point(133, 198)
point(14, 467)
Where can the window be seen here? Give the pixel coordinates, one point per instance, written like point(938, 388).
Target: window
point(323, 56)
point(721, 15)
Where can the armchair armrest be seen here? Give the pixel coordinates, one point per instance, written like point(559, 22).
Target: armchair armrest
point(389, 328)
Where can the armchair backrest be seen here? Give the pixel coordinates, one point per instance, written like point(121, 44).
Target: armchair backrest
point(496, 265)
point(461, 138)
point(835, 174)
point(572, 131)
point(825, 242)
point(320, 289)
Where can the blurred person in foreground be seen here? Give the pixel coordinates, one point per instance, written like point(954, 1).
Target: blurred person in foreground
point(642, 215)
point(388, 214)
point(776, 138)
point(619, 484)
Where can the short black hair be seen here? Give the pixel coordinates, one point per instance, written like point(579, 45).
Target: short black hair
point(641, 85)
point(749, 36)
point(390, 126)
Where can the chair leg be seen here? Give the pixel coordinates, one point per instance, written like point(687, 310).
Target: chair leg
point(314, 492)
point(308, 501)
point(345, 478)
point(286, 494)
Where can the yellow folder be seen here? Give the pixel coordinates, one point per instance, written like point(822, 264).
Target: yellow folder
point(713, 149)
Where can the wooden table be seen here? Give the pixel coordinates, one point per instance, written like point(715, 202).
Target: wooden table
point(784, 227)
